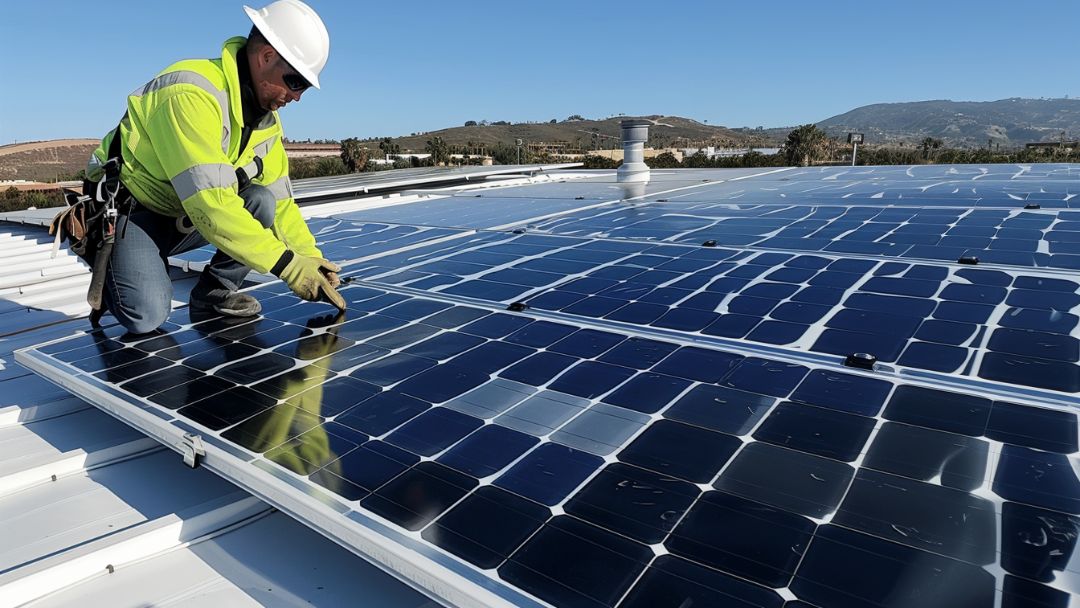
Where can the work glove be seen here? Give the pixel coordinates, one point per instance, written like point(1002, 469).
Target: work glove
point(313, 279)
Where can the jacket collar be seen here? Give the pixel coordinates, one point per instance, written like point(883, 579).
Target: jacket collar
point(254, 116)
point(229, 52)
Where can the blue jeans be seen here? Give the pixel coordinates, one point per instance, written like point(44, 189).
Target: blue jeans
point(138, 290)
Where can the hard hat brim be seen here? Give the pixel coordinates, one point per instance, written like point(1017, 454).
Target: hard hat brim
point(281, 48)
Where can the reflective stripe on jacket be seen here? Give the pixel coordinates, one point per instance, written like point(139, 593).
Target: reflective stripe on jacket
point(181, 146)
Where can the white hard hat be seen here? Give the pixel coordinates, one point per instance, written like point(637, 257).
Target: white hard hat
point(297, 33)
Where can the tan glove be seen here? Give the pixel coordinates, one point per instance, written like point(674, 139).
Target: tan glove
point(312, 279)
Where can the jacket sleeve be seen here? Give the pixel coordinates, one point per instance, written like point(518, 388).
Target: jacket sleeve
point(289, 225)
point(186, 131)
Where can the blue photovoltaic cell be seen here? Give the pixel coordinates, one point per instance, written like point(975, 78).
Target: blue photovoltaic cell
point(628, 440)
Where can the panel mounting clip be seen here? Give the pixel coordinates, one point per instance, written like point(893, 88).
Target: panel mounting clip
point(860, 361)
point(193, 449)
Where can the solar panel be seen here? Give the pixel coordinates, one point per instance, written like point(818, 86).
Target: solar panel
point(363, 183)
point(425, 416)
point(340, 240)
point(998, 324)
point(479, 211)
point(1044, 238)
point(663, 424)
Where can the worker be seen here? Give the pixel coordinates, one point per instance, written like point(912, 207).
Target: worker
point(203, 161)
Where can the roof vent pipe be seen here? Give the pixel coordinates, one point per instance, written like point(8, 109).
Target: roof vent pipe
point(634, 134)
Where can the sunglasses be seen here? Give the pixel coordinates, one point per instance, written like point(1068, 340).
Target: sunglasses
point(295, 82)
point(292, 79)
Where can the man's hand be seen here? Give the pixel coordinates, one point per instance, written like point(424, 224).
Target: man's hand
point(312, 279)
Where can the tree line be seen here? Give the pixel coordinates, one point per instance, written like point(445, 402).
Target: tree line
point(805, 145)
point(808, 145)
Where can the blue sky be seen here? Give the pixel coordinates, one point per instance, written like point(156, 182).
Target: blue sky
point(402, 66)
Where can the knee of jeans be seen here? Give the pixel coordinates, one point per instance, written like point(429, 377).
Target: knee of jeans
point(261, 203)
point(144, 316)
point(145, 321)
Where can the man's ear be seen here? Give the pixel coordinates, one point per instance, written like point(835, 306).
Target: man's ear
point(266, 56)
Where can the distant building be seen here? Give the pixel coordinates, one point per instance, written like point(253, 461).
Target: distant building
point(23, 185)
point(649, 153)
point(714, 152)
point(408, 156)
point(486, 161)
point(554, 148)
point(1052, 146)
point(295, 150)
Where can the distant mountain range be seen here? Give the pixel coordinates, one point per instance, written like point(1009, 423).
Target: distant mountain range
point(1008, 122)
point(580, 133)
point(1011, 122)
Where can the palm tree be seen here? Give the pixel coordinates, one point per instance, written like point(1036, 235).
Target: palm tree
point(354, 155)
point(388, 147)
point(928, 144)
point(804, 144)
point(440, 152)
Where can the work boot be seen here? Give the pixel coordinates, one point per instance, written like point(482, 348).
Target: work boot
point(207, 296)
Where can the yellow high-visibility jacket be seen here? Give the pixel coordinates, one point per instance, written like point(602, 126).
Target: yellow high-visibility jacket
point(181, 148)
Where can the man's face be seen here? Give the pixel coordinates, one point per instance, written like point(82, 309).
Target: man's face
point(278, 83)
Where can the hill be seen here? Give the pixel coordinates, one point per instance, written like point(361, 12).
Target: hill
point(1011, 122)
point(667, 131)
point(45, 160)
point(1008, 122)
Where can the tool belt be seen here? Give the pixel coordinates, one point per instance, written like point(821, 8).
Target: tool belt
point(82, 224)
point(89, 224)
